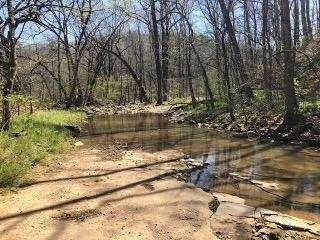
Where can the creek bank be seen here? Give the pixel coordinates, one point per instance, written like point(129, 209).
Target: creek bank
point(265, 126)
point(113, 109)
point(231, 213)
point(33, 137)
point(259, 223)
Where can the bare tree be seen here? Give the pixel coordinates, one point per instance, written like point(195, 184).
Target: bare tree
point(71, 22)
point(14, 18)
point(156, 51)
point(245, 83)
point(288, 74)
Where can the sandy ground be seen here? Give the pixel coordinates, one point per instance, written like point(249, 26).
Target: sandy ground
point(86, 195)
point(97, 194)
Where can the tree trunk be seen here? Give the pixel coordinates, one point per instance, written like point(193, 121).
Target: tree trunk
point(248, 36)
point(201, 65)
point(76, 95)
point(59, 77)
point(156, 51)
point(291, 104)
point(308, 18)
point(227, 79)
point(296, 28)
point(245, 87)
point(10, 69)
point(7, 89)
point(165, 46)
point(189, 76)
point(204, 75)
point(265, 65)
point(304, 19)
point(142, 92)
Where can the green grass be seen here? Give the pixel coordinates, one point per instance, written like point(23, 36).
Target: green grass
point(38, 136)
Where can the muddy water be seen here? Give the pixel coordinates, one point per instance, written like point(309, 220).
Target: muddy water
point(281, 178)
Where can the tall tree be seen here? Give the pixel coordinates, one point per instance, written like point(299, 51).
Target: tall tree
point(182, 12)
point(305, 30)
point(156, 50)
point(308, 18)
point(244, 77)
point(188, 52)
point(165, 33)
point(296, 23)
point(291, 104)
point(16, 14)
point(265, 39)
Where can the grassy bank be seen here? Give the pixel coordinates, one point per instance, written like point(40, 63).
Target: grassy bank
point(30, 139)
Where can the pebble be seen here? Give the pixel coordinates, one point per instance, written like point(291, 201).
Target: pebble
point(78, 144)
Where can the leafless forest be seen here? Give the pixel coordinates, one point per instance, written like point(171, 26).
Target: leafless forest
point(229, 53)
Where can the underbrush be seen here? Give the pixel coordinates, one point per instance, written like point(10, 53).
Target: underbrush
point(30, 139)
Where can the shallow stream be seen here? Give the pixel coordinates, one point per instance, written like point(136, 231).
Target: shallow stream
point(281, 178)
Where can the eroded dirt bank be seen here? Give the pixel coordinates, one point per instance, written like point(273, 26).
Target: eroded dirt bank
point(112, 193)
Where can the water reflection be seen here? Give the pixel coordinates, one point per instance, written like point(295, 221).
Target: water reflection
point(295, 170)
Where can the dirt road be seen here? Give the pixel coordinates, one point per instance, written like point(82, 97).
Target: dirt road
point(87, 195)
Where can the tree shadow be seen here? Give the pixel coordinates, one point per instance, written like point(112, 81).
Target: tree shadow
point(90, 197)
point(110, 172)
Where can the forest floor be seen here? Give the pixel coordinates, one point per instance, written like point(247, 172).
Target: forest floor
point(113, 193)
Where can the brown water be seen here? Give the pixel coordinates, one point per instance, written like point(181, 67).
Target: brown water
point(295, 170)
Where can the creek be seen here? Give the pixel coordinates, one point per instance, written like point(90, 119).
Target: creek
point(283, 178)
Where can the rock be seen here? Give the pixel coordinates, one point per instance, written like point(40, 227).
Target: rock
point(242, 128)
point(237, 176)
point(264, 231)
point(232, 205)
point(268, 185)
point(180, 121)
point(252, 134)
point(193, 162)
point(272, 225)
point(216, 125)
point(239, 135)
point(293, 223)
point(232, 126)
point(205, 189)
point(214, 204)
point(78, 144)
point(223, 197)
